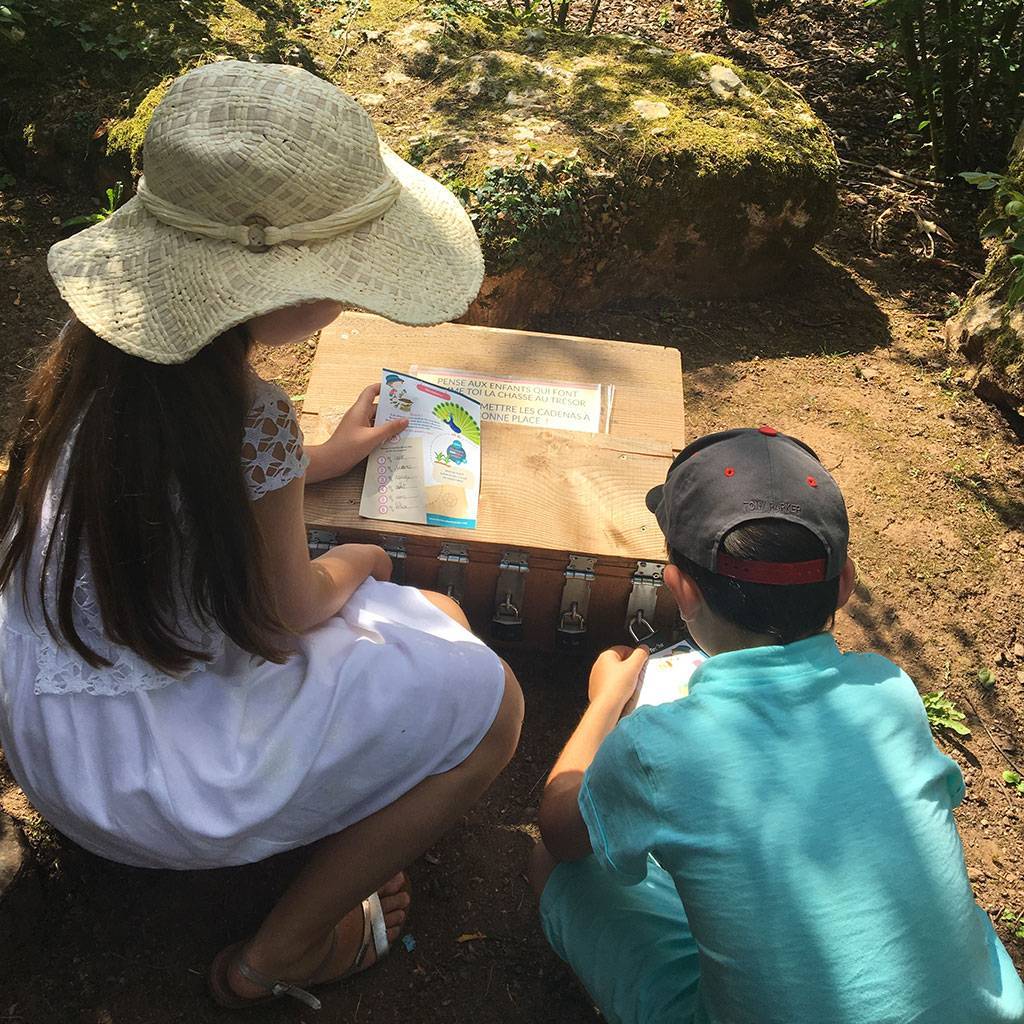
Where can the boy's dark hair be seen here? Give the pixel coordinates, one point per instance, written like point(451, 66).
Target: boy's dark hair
point(786, 613)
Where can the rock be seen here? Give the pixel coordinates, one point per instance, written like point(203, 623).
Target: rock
point(651, 110)
point(689, 179)
point(415, 42)
point(369, 100)
point(395, 77)
point(666, 174)
point(724, 82)
point(988, 334)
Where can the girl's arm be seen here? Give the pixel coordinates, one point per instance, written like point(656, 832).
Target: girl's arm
point(307, 592)
point(612, 684)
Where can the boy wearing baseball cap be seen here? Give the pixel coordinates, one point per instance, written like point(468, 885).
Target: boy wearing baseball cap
point(779, 846)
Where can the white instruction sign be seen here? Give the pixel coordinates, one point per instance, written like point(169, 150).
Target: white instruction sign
point(550, 405)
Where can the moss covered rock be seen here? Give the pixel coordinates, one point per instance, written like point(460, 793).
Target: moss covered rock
point(598, 169)
point(602, 169)
point(985, 330)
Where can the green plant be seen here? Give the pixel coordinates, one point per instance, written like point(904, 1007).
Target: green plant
point(1015, 921)
point(944, 714)
point(1014, 779)
point(524, 208)
point(12, 24)
point(113, 202)
point(987, 678)
point(665, 19)
point(1005, 221)
point(964, 72)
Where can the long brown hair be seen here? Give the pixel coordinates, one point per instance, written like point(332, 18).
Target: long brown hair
point(154, 492)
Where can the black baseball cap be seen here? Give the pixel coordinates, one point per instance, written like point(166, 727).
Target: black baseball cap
point(736, 476)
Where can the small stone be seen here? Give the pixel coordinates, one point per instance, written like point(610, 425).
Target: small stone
point(371, 99)
point(724, 82)
point(395, 78)
point(1018, 650)
point(976, 874)
point(651, 110)
point(529, 98)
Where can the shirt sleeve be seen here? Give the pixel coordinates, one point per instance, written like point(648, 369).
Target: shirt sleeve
point(617, 803)
point(272, 454)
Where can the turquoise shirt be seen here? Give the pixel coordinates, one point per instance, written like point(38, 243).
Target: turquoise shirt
point(799, 803)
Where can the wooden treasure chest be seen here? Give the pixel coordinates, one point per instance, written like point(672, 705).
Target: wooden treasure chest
point(564, 551)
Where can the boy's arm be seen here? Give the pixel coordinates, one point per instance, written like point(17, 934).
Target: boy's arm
point(612, 683)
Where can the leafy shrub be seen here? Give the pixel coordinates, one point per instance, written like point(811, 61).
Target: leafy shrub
point(88, 219)
point(1004, 220)
point(525, 208)
point(964, 73)
point(944, 714)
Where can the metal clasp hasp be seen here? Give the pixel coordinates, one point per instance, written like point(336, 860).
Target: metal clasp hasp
point(509, 593)
point(572, 614)
point(451, 577)
point(643, 600)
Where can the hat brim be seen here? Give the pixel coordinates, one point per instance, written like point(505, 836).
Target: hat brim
point(654, 496)
point(162, 294)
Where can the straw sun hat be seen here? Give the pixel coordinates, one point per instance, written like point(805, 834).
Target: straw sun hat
point(265, 186)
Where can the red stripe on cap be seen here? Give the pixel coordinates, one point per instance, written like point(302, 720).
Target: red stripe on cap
point(778, 573)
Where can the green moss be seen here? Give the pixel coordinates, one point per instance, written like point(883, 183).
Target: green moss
point(1006, 353)
point(691, 167)
point(126, 135)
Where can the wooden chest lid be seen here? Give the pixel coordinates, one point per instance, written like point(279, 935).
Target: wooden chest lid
point(541, 490)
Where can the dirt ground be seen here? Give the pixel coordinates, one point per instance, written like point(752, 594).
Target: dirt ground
point(849, 359)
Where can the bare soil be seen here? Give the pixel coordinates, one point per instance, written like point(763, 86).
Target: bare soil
point(849, 359)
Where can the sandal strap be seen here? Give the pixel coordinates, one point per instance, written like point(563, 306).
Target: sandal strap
point(279, 988)
point(379, 928)
point(374, 930)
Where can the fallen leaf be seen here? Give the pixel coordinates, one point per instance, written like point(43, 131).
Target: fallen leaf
point(470, 936)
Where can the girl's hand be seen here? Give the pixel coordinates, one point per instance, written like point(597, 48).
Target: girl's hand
point(614, 676)
point(353, 439)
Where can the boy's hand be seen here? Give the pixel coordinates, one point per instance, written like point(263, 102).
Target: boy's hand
point(614, 676)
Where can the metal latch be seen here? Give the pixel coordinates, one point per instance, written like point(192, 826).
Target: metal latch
point(572, 614)
point(451, 577)
point(643, 600)
point(395, 547)
point(508, 599)
point(319, 541)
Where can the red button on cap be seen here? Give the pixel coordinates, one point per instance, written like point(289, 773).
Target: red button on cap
point(768, 431)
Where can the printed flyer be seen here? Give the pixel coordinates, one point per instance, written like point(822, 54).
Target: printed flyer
point(666, 675)
point(430, 473)
point(546, 404)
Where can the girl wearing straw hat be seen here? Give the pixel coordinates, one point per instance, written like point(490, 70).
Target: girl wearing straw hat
point(180, 686)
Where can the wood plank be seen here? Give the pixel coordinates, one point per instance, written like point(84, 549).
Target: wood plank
point(544, 491)
point(648, 379)
point(554, 491)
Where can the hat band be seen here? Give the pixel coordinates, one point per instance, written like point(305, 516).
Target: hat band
point(774, 573)
point(257, 235)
